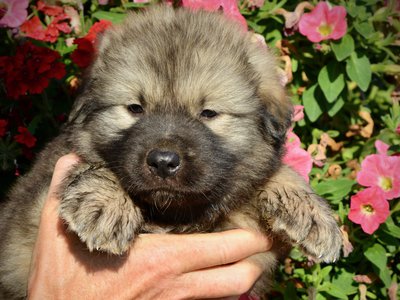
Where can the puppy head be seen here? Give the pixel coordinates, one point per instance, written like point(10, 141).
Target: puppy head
point(186, 110)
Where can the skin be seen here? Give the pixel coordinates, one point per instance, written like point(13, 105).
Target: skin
point(159, 266)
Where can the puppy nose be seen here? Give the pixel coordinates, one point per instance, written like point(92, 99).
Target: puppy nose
point(163, 163)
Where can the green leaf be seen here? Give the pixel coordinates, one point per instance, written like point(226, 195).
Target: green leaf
point(134, 5)
point(34, 124)
point(343, 48)
point(342, 284)
point(290, 291)
point(390, 227)
point(334, 108)
point(354, 10)
point(334, 189)
point(296, 254)
point(273, 36)
point(359, 70)
point(376, 254)
point(310, 102)
point(295, 64)
point(110, 16)
point(365, 29)
point(331, 80)
point(325, 271)
point(62, 47)
point(382, 14)
point(348, 153)
point(336, 292)
point(319, 297)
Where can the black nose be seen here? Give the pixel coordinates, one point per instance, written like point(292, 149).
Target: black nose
point(163, 163)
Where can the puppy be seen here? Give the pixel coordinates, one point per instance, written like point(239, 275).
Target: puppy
point(181, 126)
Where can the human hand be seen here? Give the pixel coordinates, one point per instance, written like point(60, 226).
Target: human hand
point(158, 266)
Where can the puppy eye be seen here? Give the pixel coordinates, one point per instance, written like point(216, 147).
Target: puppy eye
point(209, 114)
point(136, 108)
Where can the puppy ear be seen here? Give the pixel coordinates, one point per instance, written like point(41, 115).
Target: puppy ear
point(84, 103)
point(277, 108)
point(82, 107)
point(277, 111)
point(274, 128)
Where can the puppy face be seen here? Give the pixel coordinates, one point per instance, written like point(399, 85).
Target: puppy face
point(185, 110)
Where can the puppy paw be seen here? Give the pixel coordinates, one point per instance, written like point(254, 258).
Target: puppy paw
point(306, 220)
point(291, 209)
point(324, 240)
point(97, 209)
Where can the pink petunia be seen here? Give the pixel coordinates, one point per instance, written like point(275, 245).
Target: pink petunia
point(381, 171)
point(381, 147)
point(298, 113)
point(229, 7)
point(296, 157)
point(324, 23)
point(369, 208)
point(13, 12)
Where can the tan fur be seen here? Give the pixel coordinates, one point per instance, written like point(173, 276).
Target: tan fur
point(174, 64)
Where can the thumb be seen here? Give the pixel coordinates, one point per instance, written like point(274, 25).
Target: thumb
point(48, 233)
point(49, 213)
point(63, 165)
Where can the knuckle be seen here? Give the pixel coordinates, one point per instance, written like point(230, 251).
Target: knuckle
point(247, 276)
point(223, 253)
point(67, 160)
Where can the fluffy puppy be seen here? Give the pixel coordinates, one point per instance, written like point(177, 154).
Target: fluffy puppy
point(180, 124)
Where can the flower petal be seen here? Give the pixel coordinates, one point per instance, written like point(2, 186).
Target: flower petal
point(381, 147)
point(374, 198)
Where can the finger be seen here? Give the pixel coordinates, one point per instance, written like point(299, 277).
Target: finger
point(48, 234)
point(198, 251)
point(49, 211)
point(63, 165)
point(224, 281)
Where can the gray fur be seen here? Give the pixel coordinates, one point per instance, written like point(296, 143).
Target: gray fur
point(175, 64)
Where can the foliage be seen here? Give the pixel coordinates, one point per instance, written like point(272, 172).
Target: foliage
point(348, 84)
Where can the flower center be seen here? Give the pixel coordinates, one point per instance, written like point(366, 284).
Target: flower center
point(3, 10)
point(386, 183)
point(368, 209)
point(325, 29)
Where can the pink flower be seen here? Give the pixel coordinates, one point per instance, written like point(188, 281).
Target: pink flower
point(229, 8)
point(369, 208)
point(104, 2)
point(324, 23)
point(381, 171)
point(398, 129)
point(13, 12)
point(296, 157)
point(298, 113)
point(381, 147)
